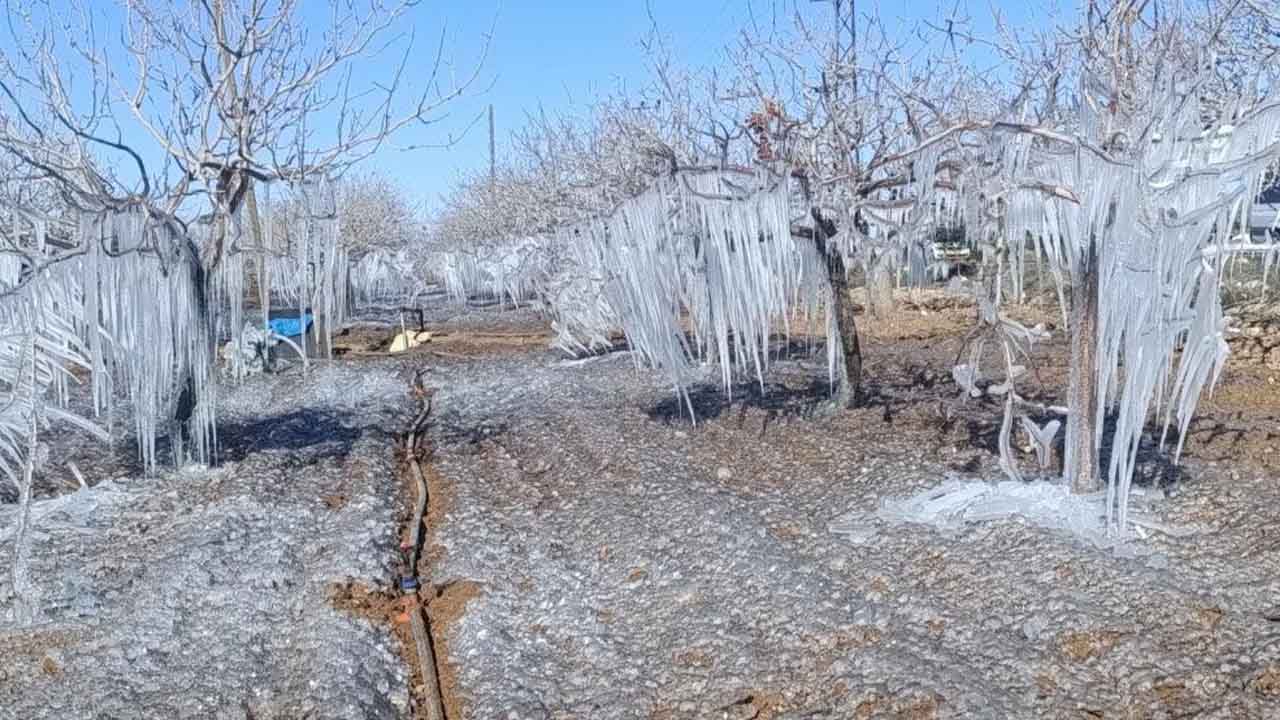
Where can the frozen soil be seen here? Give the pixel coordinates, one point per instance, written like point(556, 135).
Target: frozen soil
point(223, 592)
point(594, 555)
point(623, 563)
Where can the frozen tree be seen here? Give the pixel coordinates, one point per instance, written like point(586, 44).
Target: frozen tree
point(797, 118)
point(384, 233)
point(848, 110)
point(128, 199)
point(377, 215)
point(1135, 184)
point(489, 239)
point(166, 136)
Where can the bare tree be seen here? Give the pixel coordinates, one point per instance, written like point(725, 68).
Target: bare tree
point(225, 92)
point(377, 214)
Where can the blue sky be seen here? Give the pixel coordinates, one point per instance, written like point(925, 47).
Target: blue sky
point(558, 54)
point(562, 53)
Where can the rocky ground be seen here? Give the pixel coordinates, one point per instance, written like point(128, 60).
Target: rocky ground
point(1254, 334)
point(593, 554)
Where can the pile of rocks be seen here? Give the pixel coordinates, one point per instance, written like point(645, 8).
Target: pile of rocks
point(1253, 332)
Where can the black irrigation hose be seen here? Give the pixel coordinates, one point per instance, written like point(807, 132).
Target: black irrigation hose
point(418, 621)
point(411, 449)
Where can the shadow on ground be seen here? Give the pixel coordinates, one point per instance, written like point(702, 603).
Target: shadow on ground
point(296, 430)
point(709, 402)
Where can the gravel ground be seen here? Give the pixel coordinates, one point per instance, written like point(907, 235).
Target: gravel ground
point(206, 593)
point(622, 563)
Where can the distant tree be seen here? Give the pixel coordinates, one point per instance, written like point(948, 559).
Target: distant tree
point(376, 214)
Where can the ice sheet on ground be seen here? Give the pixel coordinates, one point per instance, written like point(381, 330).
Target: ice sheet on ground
point(958, 503)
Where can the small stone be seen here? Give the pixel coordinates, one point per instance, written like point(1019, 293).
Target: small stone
point(1034, 627)
point(723, 473)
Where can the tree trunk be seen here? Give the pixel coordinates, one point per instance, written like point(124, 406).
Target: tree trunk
point(26, 602)
point(841, 322)
point(849, 369)
point(1080, 460)
point(879, 290)
point(255, 220)
point(260, 287)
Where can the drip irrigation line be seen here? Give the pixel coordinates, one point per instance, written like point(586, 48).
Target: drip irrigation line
point(409, 585)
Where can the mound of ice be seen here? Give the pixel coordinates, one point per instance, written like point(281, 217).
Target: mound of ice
point(957, 503)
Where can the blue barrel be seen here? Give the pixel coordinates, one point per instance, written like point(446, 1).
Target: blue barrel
point(290, 327)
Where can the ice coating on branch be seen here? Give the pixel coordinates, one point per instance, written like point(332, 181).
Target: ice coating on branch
point(379, 276)
point(1155, 226)
point(580, 293)
point(40, 342)
point(1042, 436)
point(149, 328)
point(701, 267)
point(299, 263)
point(502, 269)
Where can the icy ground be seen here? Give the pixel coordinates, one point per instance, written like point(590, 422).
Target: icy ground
point(628, 565)
point(595, 556)
point(205, 593)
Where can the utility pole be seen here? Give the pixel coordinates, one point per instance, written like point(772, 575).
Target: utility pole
point(493, 163)
point(851, 24)
point(843, 23)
